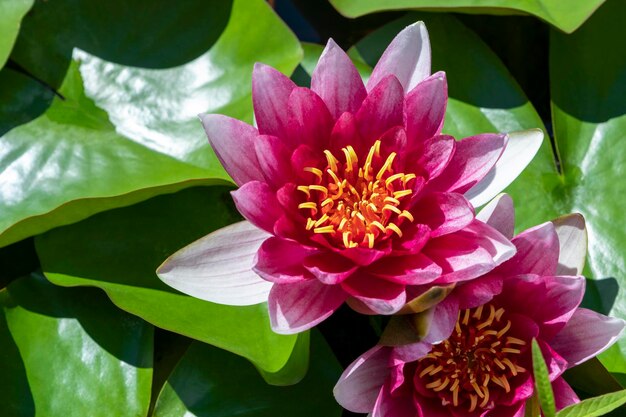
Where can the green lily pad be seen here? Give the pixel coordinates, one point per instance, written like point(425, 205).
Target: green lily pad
point(567, 16)
point(11, 13)
point(120, 249)
point(212, 382)
point(119, 134)
point(64, 351)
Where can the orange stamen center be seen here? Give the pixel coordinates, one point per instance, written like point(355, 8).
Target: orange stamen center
point(357, 205)
point(479, 357)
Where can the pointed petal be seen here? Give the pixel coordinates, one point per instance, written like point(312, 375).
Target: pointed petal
point(473, 158)
point(520, 150)
point(337, 82)
point(274, 160)
point(257, 202)
point(407, 57)
point(564, 395)
point(444, 317)
point(499, 214)
point(381, 110)
point(425, 108)
point(358, 386)
point(498, 246)
point(388, 405)
point(379, 295)
point(270, 94)
point(233, 143)
point(415, 269)
point(445, 213)
point(299, 306)
point(218, 267)
point(329, 268)
point(310, 122)
point(435, 154)
point(280, 261)
point(572, 234)
point(586, 334)
point(537, 252)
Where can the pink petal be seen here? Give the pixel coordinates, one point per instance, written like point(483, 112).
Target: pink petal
point(425, 108)
point(257, 203)
point(434, 154)
point(233, 142)
point(586, 334)
point(472, 160)
point(555, 362)
point(407, 58)
point(270, 95)
point(563, 294)
point(273, 157)
point(310, 122)
point(218, 267)
point(346, 132)
point(445, 213)
point(381, 296)
point(444, 317)
point(410, 353)
point(537, 252)
point(413, 239)
point(363, 256)
point(299, 306)
point(381, 110)
point(564, 395)
point(337, 82)
point(359, 385)
point(478, 291)
point(415, 269)
point(388, 405)
point(498, 246)
point(280, 261)
point(329, 267)
point(499, 214)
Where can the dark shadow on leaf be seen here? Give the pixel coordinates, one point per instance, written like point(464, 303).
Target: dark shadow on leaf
point(600, 294)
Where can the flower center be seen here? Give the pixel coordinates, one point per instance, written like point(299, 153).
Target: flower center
point(479, 356)
point(357, 205)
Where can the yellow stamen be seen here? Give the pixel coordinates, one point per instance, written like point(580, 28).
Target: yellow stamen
point(319, 188)
point(332, 161)
point(304, 189)
point(315, 171)
point(386, 165)
point(473, 402)
point(325, 229)
point(403, 193)
point(393, 227)
point(505, 329)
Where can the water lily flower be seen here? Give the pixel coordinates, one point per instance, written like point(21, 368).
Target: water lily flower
point(476, 360)
point(350, 192)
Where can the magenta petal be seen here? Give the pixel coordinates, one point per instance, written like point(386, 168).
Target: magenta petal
point(299, 306)
point(564, 395)
point(280, 261)
point(270, 94)
point(257, 202)
point(537, 252)
point(273, 157)
point(359, 385)
point(444, 317)
point(381, 110)
point(415, 269)
point(337, 82)
point(425, 108)
point(388, 405)
point(329, 267)
point(586, 335)
point(434, 154)
point(555, 362)
point(381, 296)
point(310, 122)
point(562, 296)
point(410, 353)
point(233, 143)
point(407, 57)
point(413, 239)
point(445, 212)
point(478, 291)
point(363, 256)
point(499, 214)
point(346, 132)
point(472, 160)
point(498, 246)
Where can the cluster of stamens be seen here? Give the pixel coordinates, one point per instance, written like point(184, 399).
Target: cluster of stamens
point(478, 357)
point(357, 205)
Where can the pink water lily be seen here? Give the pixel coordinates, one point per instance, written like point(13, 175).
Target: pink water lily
point(476, 359)
point(350, 192)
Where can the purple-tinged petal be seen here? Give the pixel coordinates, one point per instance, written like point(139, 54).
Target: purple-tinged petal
point(410, 353)
point(555, 362)
point(233, 142)
point(363, 256)
point(445, 213)
point(299, 306)
point(499, 214)
point(414, 237)
point(586, 334)
point(407, 57)
point(381, 110)
point(346, 132)
point(478, 291)
point(388, 405)
point(330, 268)
point(472, 160)
point(218, 267)
point(434, 154)
point(415, 269)
point(257, 202)
point(572, 234)
point(337, 82)
point(444, 317)
point(498, 246)
point(562, 296)
point(425, 108)
point(564, 395)
point(270, 95)
point(273, 157)
point(520, 150)
point(537, 252)
point(359, 385)
point(310, 122)
point(379, 295)
point(280, 260)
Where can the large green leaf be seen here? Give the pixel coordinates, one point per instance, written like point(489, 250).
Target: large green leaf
point(209, 382)
point(11, 14)
point(119, 134)
point(588, 86)
point(566, 15)
point(70, 352)
point(119, 250)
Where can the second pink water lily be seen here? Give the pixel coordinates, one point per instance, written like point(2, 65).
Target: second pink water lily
point(350, 192)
